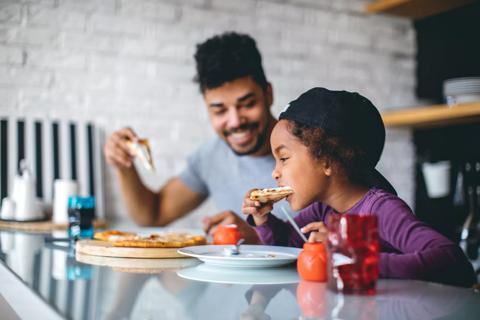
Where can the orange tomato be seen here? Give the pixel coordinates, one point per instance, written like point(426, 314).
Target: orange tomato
point(226, 234)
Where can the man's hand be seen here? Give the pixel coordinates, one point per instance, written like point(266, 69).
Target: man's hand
point(258, 210)
point(229, 217)
point(116, 149)
point(318, 232)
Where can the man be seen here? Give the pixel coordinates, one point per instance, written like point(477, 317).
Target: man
point(238, 98)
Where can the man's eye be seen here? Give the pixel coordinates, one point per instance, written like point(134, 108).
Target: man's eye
point(219, 112)
point(250, 104)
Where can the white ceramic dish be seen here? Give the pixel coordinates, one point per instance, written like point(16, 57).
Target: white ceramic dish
point(251, 256)
point(248, 276)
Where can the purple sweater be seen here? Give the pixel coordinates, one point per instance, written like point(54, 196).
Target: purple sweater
point(409, 248)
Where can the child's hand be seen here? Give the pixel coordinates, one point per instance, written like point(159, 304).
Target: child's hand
point(258, 210)
point(318, 232)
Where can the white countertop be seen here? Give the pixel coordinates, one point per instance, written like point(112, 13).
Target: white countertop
point(48, 278)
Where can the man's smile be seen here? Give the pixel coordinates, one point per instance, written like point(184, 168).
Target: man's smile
point(243, 135)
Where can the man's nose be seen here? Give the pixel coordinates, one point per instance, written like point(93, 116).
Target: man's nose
point(235, 118)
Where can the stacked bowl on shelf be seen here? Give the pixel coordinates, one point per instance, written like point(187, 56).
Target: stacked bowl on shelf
point(461, 90)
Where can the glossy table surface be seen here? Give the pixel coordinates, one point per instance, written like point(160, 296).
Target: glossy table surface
point(187, 289)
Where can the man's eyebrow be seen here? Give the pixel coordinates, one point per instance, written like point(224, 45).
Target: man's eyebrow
point(277, 149)
point(246, 97)
point(216, 104)
point(241, 99)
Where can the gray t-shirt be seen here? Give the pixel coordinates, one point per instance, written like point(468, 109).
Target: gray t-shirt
point(216, 171)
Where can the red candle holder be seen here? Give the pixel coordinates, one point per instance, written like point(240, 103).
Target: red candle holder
point(353, 248)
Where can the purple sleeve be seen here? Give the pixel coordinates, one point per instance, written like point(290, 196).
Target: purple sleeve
point(424, 253)
point(281, 233)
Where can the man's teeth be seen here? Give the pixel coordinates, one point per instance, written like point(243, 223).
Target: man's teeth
point(240, 134)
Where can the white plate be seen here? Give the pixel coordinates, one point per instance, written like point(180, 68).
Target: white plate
point(264, 276)
point(251, 256)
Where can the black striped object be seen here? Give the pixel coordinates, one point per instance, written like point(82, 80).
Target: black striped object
point(56, 149)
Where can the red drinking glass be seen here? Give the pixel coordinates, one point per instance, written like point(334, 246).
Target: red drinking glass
point(353, 250)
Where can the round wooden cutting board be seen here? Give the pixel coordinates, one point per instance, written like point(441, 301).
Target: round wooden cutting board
point(136, 265)
point(106, 249)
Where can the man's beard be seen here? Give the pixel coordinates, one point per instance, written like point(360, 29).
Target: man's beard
point(261, 138)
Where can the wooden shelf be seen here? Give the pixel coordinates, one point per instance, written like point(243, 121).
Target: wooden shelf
point(414, 9)
point(433, 116)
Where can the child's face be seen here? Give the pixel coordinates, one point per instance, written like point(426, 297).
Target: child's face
point(297, 168)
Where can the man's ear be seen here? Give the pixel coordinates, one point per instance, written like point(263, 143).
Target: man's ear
point(269, 95)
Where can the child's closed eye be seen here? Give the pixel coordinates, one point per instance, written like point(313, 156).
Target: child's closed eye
point(283, 159)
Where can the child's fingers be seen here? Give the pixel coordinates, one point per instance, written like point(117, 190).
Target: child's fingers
point(257, 211)
point(316, 237)
point(249, 210)
point(314, 226)
point(260, 207)
point(247, 196)
point(250, 203)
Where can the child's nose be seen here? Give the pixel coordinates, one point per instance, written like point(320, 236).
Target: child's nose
point(275, 175)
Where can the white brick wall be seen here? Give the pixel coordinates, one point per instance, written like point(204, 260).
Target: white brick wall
point(129, 62)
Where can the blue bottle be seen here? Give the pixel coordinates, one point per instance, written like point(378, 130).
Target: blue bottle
point(81, 212)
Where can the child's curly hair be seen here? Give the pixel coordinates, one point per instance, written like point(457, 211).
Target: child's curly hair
point(350, 160)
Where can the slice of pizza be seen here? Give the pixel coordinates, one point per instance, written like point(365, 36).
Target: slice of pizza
point(270, 194)
point(141, 149)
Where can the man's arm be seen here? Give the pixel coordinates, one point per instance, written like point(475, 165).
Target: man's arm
point(146, 207)
point(229, 217)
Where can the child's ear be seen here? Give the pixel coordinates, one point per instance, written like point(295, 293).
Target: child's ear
point(327, 167)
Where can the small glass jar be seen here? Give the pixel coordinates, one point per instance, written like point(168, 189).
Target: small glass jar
point(353, 248)
point(81, 212)
point(312, 262)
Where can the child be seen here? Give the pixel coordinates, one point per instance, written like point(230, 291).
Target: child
point(326, 146)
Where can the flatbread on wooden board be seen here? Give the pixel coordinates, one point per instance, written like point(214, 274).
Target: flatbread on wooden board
point(167, 240)
point(270, 194)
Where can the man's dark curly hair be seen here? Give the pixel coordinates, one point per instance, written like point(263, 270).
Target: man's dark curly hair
point(227, 57)
point(352, 161)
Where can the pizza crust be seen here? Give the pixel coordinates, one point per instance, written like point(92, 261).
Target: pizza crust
point(112, 235)
point(167, 240)
point(270, 194)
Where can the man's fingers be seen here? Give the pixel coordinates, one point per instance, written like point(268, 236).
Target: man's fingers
point(224, 217)
point(119, 142)
point(221, 217)
point(117, 156)
point(122, 160)
point(128, 133)
point(206, 224)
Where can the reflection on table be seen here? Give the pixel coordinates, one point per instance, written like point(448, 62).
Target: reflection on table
point(184, 289)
